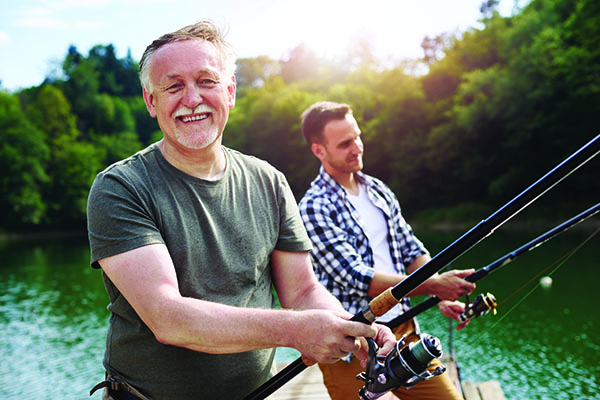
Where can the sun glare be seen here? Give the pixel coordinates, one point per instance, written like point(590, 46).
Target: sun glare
point(392, 29)
point(334, 27)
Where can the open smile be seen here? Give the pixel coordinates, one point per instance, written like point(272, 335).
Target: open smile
point(193, 117)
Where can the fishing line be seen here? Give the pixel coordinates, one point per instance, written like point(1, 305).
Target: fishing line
point(564, 259)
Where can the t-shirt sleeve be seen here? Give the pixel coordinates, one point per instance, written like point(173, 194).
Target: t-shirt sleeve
point(118, 218)
point(292, 234)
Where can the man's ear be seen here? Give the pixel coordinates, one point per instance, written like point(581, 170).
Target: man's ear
point(231, 89)
point(149, 100)
point(318, 150)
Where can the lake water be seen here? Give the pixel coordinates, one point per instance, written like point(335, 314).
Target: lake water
point(53, 319)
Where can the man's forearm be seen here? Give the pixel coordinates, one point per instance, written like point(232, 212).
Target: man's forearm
point(318, 297)
point(217, 328)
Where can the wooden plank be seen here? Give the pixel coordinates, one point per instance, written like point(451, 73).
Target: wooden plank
point(470, 391)
point(488, 390)
point(307, 385)
point(491, 390)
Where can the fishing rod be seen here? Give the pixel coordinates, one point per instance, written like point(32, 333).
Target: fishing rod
point(392, 296)
point(502, 261)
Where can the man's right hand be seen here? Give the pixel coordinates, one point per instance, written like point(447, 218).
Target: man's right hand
point(451, 285)
point(327, 336)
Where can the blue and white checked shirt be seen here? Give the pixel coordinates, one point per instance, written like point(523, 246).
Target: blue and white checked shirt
point(342, 256)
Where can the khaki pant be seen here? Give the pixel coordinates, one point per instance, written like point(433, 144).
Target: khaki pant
point(340, 377)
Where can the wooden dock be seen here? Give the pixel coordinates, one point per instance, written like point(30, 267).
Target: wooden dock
point(308, 385)
point(488, 390)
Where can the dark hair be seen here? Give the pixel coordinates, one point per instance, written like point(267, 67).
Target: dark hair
point(315, 117)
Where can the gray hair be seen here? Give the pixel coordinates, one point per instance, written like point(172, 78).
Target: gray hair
point(202, 30)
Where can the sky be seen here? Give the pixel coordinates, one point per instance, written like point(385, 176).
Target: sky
point(36, 34)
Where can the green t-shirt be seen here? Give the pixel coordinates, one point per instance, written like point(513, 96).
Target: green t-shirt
point(220, 235)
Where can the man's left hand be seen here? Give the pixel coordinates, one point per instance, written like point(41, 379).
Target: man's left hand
point(453, 309)
point(385, 340)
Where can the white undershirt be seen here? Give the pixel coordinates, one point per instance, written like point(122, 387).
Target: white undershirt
point(375, 227)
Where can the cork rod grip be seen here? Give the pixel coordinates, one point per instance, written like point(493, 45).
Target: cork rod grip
point(383, 303)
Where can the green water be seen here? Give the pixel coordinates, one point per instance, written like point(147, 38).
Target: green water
point(544, 343)
point(53, 320)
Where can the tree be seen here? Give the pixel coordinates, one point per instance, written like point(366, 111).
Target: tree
point(488, 7)
point(80, 87)
point(72, 164)
point(23, 161)
point(254, 72)
point(118, 77)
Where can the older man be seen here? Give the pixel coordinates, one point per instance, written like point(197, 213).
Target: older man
point(191, 238)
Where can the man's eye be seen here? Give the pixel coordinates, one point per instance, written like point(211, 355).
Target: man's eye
point(208, 82)
point(173, 88)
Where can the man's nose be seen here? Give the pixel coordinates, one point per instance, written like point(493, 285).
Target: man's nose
point(192, 96)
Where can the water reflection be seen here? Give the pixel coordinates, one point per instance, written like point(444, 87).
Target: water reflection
point(53, 318)
point(547, 342)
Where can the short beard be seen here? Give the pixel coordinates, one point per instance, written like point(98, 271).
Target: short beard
point(345, 168)
point(198, 141)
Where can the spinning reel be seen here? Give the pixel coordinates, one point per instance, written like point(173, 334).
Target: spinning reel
point(404, 366)
point(482, 305)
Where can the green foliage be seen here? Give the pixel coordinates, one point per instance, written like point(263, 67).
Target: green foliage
point(23, 159)
point(498, 107)
point(72, 164)
point(62, 134)
point(144, 125)
point(117, 146)
point(254, 72)
point(266, 122)
point(112, 115)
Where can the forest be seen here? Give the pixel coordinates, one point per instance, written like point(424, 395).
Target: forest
point(491, 110)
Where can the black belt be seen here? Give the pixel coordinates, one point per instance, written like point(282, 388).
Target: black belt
point(118, 389)
point(122, 395)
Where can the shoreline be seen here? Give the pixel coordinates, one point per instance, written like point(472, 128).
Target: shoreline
point(443, 226)
point(53, 234)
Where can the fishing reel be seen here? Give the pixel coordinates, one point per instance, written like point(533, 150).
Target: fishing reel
point(482, 305)
point(404, 366)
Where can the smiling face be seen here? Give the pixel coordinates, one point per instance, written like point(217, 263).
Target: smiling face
point(341, 149)
point(191, 95)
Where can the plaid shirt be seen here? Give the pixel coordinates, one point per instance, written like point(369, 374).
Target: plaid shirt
point(342, 256)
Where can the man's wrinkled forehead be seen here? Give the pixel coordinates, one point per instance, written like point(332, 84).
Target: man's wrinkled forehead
point(186, 56)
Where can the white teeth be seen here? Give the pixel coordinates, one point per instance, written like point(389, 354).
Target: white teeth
point(200, 109)
point(194, 118)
